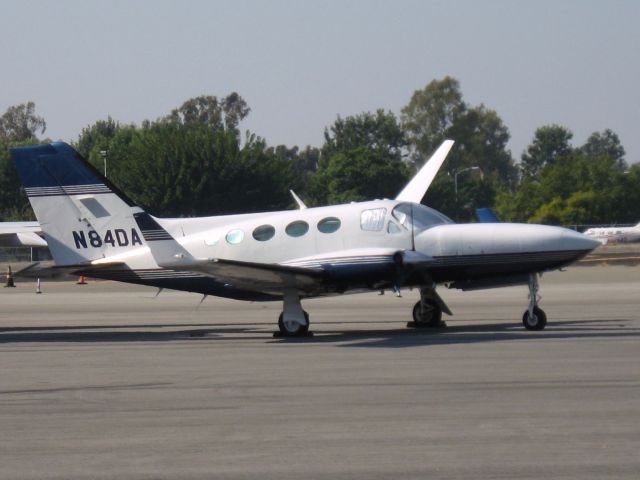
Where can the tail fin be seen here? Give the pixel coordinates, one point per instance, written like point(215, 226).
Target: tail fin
point(83, 216)
point(486, 215)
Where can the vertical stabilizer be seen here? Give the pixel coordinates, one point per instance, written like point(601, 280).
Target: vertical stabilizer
point(82, 215)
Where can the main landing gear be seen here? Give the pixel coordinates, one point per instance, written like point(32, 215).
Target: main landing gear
point(293, 321)
point(427, 313)
point(534, 317)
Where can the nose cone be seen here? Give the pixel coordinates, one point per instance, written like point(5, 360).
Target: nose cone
point(573, 240)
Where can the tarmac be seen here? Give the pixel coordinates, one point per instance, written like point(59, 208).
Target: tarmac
point(108, 381)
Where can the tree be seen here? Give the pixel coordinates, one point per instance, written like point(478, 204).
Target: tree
point(192, 170)
point(361, 159)
point(550, 143)
point(430, 114)
point(438, 112)
point(379, 132)
point(605, 144)
point(208, 110)
point(14, 205)
point(20, 123)
point(96, 136)
point(575, 190)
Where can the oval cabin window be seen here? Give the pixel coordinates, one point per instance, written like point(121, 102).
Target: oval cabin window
point(297, 228)
point(235, 236)
point(264, 233)
point(329, 225)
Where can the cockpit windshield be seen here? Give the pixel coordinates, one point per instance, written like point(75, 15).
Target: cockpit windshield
point(422, 217)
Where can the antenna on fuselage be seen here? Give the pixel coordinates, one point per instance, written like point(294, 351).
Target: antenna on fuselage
point(300, 203)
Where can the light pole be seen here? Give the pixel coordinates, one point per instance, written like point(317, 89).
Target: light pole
point(475, 168)
point(103, 154)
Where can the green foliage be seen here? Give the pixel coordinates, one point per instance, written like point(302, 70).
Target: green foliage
point(360, 174)
point(227, 112)
point(430, 114)
point(194, 162)
point(14, 205)
point(20, 123)
point(575, 189)
point(361, 159)
point(96, 137)
point(550, 143)
point(191, 170)
point(438, 112)
point(577, 209)
point(605, 144)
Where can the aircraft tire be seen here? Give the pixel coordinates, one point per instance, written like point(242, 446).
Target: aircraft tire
point(431, 318)
point(538, 322)
point(293, 330)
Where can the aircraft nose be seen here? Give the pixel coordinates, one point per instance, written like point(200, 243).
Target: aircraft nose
point(573, 240)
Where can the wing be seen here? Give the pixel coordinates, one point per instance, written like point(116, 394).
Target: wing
point(21, 234)
point(260, 277)
point(418, 186)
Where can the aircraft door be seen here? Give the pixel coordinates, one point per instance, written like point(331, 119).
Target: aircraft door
point(400, 225)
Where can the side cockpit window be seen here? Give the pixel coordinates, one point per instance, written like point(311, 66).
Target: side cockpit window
point(393, 228)
point(418, 217)
point(373, 220)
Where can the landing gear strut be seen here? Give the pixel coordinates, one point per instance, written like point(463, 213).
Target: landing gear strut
point(427, 313)
point(293, 321)
point(534, 317)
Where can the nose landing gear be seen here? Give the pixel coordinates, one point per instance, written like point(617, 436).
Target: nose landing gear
point(534, 317)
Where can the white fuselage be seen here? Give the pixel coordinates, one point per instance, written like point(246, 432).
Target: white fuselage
point(615, 234)
point(366, 232)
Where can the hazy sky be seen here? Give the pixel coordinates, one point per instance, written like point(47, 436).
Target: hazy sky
point(299, 64)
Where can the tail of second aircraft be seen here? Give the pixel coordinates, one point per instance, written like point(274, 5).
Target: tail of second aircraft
point(83, 216)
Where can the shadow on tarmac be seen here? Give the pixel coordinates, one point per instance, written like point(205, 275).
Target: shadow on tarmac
point(390, 338)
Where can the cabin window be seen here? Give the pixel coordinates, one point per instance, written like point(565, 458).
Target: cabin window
point(264, 233)
point(297, 228)
point(329, 225)
point(418, 217)
point(235, 236)
point(373, 220)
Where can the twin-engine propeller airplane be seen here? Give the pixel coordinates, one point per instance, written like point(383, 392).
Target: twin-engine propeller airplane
point(94, 229)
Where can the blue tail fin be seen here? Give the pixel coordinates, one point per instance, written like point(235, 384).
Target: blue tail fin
point(486, 215)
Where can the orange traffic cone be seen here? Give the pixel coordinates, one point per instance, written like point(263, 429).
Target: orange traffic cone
point(82, 280)
point(9, 282)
